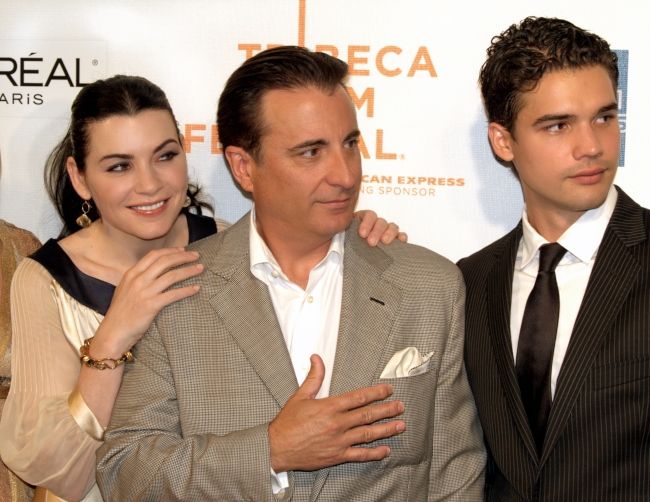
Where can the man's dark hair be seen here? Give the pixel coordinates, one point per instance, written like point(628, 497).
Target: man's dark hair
point(239, 116)
point(519, 57)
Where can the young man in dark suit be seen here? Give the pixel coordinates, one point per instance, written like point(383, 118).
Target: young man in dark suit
point(559, 360)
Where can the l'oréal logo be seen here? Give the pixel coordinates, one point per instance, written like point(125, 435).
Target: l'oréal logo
point(35, 71)
point(43, 76)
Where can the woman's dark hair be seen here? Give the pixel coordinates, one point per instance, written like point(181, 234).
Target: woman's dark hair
point(118, 95)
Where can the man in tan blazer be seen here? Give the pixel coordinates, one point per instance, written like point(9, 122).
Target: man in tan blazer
point(272, 382)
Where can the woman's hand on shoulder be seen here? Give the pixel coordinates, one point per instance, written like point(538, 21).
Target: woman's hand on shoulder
point(145, 289)
point(375, 229)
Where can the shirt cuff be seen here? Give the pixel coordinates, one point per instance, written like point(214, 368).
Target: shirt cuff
point(279, 482)
point(84, 417)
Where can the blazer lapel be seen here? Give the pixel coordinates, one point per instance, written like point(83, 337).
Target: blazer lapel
point(610, 282)
point(245, 307)
point(499, 304)
point(368, 308)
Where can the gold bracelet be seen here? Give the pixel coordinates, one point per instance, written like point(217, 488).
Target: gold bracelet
point(102, 364)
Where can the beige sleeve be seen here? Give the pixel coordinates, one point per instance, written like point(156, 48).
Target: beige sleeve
point(39, 438)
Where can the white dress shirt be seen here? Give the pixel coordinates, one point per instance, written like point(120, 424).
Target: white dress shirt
point(309, 318)
point(581, 240)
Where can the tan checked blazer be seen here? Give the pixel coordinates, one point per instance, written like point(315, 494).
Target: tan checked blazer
point(191, 419)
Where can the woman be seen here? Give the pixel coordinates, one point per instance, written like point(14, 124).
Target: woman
point(120, 174)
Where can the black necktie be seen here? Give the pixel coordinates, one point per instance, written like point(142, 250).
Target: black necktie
point(537, 341)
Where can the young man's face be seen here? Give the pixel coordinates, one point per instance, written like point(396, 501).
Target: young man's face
point(564, 145)
point(306, 180)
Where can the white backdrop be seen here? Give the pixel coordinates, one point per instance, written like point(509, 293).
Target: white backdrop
point(428, 165)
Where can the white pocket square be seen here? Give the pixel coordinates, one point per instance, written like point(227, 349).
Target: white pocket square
point(406, 362)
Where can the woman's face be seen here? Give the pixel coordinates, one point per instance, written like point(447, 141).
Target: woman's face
point(136, 174)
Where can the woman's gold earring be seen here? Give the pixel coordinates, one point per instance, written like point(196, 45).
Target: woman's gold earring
point(84, 220)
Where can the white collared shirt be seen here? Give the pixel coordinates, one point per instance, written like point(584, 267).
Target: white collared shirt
point(581, 240)
point(309, 318)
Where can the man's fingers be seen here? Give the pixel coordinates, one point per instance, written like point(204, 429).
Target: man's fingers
point(361, 397)
point(314, 380)
point(365, 454)
point(369, 433)
point(370, 414)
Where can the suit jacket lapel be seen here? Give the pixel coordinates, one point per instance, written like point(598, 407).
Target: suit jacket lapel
point(499, 305)
point(244, 305)
point(610, 282)
point(368, 308)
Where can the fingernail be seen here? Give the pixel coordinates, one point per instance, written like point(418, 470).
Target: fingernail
point(400, 427)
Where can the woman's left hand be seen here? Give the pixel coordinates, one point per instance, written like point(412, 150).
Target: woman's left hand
point(374, 229)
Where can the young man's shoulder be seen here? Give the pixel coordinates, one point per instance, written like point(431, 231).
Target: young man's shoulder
point(491, 251)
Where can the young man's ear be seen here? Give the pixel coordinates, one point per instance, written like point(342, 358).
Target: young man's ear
point(78, 179)
point(241, 166)
point(501, 141)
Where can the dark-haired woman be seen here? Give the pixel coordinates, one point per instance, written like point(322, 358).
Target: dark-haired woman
point(119, 182)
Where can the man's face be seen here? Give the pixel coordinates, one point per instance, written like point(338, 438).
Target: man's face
point(305, 182)
point(564, 145)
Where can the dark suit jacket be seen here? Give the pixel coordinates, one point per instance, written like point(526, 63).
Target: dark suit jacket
point(191, 418)
point(598, 438)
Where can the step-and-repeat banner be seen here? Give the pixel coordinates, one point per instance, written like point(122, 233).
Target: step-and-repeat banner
point(413, 66)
